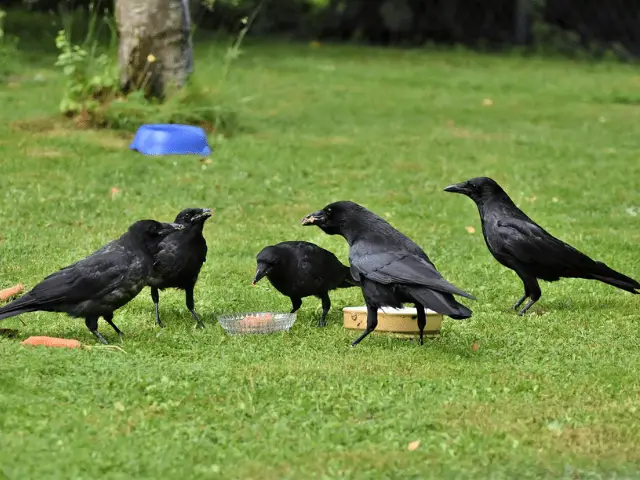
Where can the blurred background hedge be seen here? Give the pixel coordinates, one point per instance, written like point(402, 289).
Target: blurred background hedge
point(596, 26)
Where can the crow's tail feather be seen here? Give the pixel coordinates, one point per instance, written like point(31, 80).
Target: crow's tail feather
point(608, 275)
point(443, 303)
point(17, 307)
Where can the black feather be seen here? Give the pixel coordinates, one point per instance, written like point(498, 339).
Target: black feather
point(180, 258)
point(517, 242)
point(300, 269)
point(98, 285)
point(391, 267)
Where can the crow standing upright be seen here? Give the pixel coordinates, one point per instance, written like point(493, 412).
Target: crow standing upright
point(179, 259)
point(98, 285)
point(518, 243)
point(390, 267)
point(300, 269)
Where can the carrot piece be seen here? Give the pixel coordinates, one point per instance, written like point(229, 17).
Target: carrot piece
point(7, 293)
point(256, 320)
point(52, 342)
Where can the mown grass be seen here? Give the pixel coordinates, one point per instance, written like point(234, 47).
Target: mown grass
point(554, 394)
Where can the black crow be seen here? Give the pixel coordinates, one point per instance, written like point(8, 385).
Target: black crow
point(98, 285)
point(518, 243)
point(390, 267)
point(301, 269)
point(179, 259)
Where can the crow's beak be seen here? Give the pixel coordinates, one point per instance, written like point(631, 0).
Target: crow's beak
point(313, 218)
point(261, 271)
point(457, 188)
point(203, 215)
point(168, 228)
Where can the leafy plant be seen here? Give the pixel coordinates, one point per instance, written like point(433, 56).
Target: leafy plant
point(92, 78)
point(3, 14)
point(93, 96)
point(8, 48)
point(192, 105)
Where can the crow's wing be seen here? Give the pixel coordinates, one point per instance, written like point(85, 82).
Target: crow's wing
point(401, 267)
point(92, 277)
point(181, 248)
point(531, 245)
point(169, 252)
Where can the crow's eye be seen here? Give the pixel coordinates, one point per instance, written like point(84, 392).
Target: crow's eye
point(328, 210)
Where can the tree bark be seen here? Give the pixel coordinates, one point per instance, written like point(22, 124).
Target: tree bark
point(155, 51)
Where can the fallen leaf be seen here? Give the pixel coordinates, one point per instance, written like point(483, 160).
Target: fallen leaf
point(206, 161)
point(487, 102)
point(413, 445)
point(554, 199)
point(470, 229)
point(119, 406)
point(475, 346)
point(531, 199)
point(314, 44)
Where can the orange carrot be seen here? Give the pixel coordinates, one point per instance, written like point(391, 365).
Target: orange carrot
point(7, 293)
point(52, 342)
point(256, 320)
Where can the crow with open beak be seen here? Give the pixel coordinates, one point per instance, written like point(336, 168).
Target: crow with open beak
point(390, 267)
point(180, 258)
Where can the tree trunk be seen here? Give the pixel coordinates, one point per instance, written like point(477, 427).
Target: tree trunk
point(155, 51)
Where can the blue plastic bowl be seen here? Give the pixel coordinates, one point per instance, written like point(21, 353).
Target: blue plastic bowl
point(170, 139)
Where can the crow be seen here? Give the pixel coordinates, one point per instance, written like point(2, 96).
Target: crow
point(300, 269)
point(179, 259)
point(101, 283)
point(390, 267)
point(518, 243)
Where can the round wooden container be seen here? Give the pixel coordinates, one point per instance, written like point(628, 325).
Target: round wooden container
point(403, 321)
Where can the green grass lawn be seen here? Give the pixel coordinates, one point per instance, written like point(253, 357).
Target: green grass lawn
point(553, 395)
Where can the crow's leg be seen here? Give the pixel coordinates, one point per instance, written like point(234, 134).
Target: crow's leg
point(92, 325)
point(326, 306)
point(109, 319)
point(521, 301)
point(155, 296)
point(296, 303)
point(526, 295)
point(372, 323)
point(531, 285)
point(422, 321)
point(188, 292)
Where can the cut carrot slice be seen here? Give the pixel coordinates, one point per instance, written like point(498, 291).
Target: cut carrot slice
point(7, 293)
point(52, 342)
point(256, 320)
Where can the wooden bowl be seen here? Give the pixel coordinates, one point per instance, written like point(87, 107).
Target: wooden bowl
point(402, 321)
